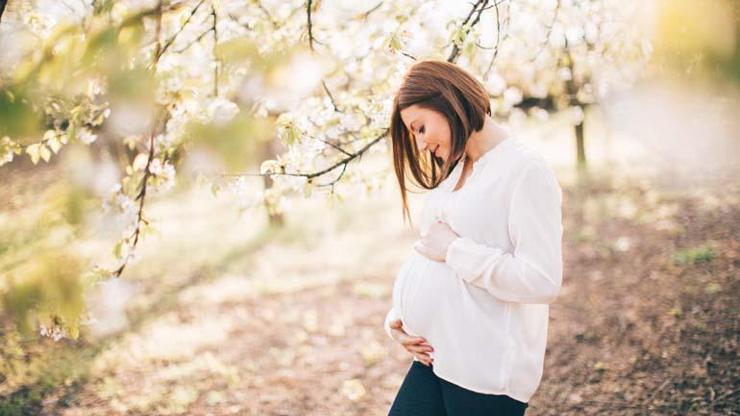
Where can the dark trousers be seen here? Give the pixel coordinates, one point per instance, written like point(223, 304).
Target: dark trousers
point(422, 393)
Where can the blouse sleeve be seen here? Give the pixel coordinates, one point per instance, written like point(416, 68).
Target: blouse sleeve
point(533, 272)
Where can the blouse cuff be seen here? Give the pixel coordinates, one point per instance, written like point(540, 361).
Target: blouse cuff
point(453, 249)
point(464, 256)
point(391, 316)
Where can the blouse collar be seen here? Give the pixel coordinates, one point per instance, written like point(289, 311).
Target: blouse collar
point(451, 180)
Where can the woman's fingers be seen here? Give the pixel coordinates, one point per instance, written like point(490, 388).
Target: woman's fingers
point(419, 349)
point(417, 346)
point(409, 340)
point(422, 348)
point(398, 324)
point(425, 359)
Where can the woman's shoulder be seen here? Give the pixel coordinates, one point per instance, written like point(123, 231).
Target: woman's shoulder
point(516, 158)
point(534, 171)
point(523, 151)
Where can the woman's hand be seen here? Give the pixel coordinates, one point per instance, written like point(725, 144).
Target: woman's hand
point(434, 244)
point(417, 346)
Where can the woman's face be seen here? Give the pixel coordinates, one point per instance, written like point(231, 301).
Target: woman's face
point(429, 129)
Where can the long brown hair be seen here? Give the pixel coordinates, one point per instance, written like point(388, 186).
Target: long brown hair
point(449, 90)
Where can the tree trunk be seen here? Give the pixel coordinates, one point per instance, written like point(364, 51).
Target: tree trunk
point(270, 149)
point(580, 146)
point(572, 89)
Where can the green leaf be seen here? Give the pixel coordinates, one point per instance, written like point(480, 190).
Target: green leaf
point(74, 331)
point(118, 249)
point(394, 43)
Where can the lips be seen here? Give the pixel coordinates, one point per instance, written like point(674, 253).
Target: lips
point(435, 151)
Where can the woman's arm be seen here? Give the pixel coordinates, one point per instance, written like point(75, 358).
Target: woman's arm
point(533, 272)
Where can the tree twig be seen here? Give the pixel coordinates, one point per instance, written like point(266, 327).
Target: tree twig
point(332, 145)
point(480, 3)
point(161, 50)
point(498, 40)
point(194, 41)
point(366, 14)
point(141, 197)
point(215, 44)
point(350, 157)
point(268, 14)
point(332, 183)
point(310, 26)
point(331, 97)
point(549, 31)
point(408, 55)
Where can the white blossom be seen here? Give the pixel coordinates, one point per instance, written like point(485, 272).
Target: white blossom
point(221, 110)
point(54, 332)
point(575, 115)
point(86, 136)
point(512, 96)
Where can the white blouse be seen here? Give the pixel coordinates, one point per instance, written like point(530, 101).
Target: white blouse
point(484, 309)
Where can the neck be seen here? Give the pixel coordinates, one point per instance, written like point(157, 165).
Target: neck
point(484, 140)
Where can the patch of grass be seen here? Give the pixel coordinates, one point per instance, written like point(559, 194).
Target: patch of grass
point(694, 255)
point(48, 370)
point(25, 401)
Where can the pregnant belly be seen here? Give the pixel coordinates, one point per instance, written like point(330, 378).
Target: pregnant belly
point(423, 290)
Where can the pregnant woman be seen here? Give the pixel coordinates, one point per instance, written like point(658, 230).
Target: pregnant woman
point(471, 301)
